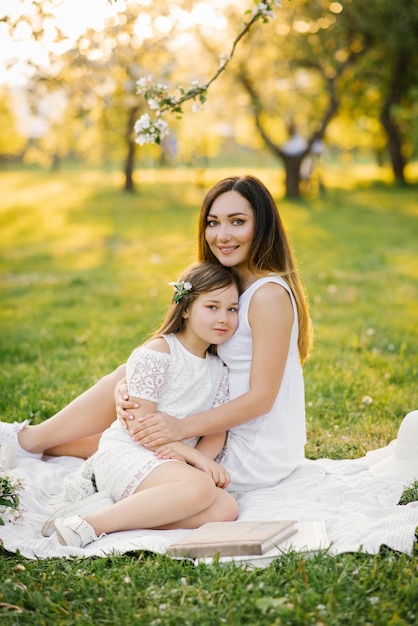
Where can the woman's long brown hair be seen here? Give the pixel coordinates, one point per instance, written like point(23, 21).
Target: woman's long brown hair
point(270, 249)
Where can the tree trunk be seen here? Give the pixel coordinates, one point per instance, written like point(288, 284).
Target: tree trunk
point(292, 170)
point(130, 159)
point(393, 97)
point(395, 147)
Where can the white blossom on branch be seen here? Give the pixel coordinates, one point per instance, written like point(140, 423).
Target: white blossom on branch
point(152, 128)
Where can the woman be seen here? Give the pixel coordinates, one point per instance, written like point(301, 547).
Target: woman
point(239, 227)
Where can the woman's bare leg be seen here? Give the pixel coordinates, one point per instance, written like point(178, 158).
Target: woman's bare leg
point(174, 495)
point(75, 430)
point(83, 447)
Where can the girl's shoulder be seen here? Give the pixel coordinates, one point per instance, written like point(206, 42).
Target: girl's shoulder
point(154, 349)
point(158, 344)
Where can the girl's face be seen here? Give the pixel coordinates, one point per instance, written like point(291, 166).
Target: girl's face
point(212, 318)
point(229, 230)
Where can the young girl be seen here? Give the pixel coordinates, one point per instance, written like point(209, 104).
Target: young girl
point(240, 227)
point(177, 486)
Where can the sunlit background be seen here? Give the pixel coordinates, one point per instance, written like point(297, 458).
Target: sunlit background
point(322, 74)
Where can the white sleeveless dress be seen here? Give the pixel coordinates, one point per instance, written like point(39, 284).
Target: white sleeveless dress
point(265, 450)
point(180, 383)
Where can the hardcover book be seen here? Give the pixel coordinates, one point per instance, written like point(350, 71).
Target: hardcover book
point(310, 539)
point(233, 538)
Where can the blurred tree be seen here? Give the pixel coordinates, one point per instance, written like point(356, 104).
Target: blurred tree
point(12, 142)
point(321, 68)
point(388, 73)
point(320, 59)
point(97, 78)
point(293, 81)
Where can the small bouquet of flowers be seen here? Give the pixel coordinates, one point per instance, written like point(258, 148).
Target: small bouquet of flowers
point(10, 510)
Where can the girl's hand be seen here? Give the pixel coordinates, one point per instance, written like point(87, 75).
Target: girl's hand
point(123, 404)
point(156, 429)
point(169, 452)
point(218, 473)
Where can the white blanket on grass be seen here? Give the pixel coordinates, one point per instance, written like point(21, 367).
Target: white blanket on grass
point(360, 511)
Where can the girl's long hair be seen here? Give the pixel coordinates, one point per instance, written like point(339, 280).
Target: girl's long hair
point(270, 249)
point(204, 278)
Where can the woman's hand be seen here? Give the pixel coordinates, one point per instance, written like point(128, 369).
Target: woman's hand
point(123, 404)
point(156, 429)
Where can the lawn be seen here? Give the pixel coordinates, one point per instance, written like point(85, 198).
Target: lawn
point(84, 271)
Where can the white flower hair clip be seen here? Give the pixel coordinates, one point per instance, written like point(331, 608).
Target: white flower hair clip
point(180, 289)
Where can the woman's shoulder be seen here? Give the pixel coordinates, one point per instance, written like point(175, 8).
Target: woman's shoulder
point(270, 288)
point(270, 295)
point(272, 298)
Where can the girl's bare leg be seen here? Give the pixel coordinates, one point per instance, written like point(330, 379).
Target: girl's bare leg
point(75, 430)
point(174, 495)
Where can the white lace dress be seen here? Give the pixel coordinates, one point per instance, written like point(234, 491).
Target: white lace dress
point(181, 384)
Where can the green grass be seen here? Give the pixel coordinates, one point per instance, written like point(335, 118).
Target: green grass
point(84, 272)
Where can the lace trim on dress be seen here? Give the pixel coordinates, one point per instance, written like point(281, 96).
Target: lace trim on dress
point(80, 484)
point(147, 373)
point(222, 395)
point(141, 474)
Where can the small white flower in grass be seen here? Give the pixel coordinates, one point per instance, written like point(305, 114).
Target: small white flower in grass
point(374, 600)
point(19, 568)
point(367, 400)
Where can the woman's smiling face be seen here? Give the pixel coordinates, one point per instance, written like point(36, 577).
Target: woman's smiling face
point(230, 229)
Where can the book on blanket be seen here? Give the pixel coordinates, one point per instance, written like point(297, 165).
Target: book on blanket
point(233, 538)
point(311, 538)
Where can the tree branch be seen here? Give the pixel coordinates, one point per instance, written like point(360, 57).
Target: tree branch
point(149, 130)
